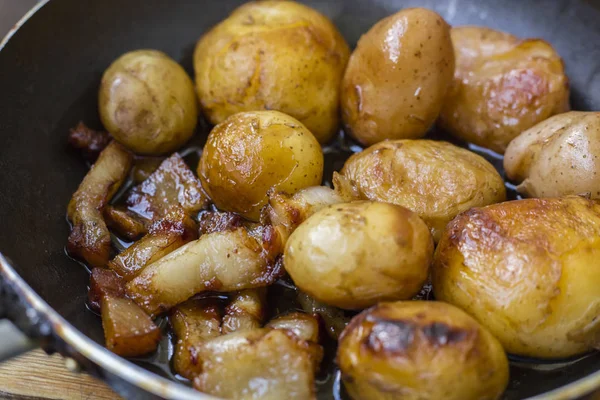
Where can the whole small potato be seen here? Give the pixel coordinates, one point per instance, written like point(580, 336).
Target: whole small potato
point(437, 180)
point(397, 77)
point(529, 271)
point(252, 152)
point(353, 255)
point(557, 157)
point(502, 86)
point(420, 350)
point(273, 55)
point(147, 102)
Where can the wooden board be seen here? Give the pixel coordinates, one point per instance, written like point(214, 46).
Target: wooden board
point(36, 376)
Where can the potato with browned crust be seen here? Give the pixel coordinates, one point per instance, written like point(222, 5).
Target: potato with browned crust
point(353, 255)
point(273, 55)
point(529, 271)
point(437, 180)
point(421, 350)
point(147, 102)
point(502, 86)
point(251, 153)
point(397, 77)
point(557, 157)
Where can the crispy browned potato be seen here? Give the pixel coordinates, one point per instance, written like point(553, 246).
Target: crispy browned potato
point(286, 212)
point(194, 322)
point(333, 318)
point(164, 236)
point(421, 350)
point(104, 281)
point(502, 86)
point(123, 222)
point(90, 238)
point(88, 141)
point(437, 180)
point(529, 271)
point(218, 221)
point(269, 364)
point(246, 311)
point(304, 326)
point(173, 183)
point(273, 55)
point(557, 157)
point(397, 77)
point(253, 152)
point(353, 255)
point(221, 261)
point(147, 102)
point(128, 331)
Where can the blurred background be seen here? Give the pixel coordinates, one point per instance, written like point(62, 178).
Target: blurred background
point(11, 11)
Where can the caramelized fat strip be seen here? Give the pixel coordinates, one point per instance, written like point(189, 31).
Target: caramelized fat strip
point(89, 238)
point(220, 261)
point(246, 311)
point(163, 237)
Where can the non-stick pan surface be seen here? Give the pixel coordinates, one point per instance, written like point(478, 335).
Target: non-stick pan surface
point(49, 75)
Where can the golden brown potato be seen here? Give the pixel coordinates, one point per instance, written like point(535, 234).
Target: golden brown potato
point(557, 157)
point(397, 77)
point(354, 255)
point(163, 237)
point(147, 102)
point(273, 55)
point(250, 153)
point(265, 364)
point(529, 271)
point(502, 86)
point(128, 331)
point(221, 261)
point(89, 238)
point(437, 180)
point(194, 322)
point(246, 311)
point(420, 350)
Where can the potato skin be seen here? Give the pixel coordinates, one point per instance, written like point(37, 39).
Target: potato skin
point(557, 157)
point(529, 271)
point(249, 153)
point(502, 86)
point(273, 55)
point(147, 102)
point(354, 255)
point(420, 350)
point(397, 77)
point(437, 180)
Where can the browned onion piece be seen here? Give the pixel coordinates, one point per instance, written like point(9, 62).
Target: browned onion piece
point(334, 318)
point(89, 141)
point(246, 311)
point(305, 326)
point(104, 281)
point(124, 222)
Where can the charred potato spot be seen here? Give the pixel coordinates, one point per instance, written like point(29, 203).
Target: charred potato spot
point(517, 268)
point(353, 255)
point(420, 350)
point(557, 157)
point(397, 77)
point(502, 86)
point(147, 102)
point(251, 153)
point(436, 180)
point(273, 55)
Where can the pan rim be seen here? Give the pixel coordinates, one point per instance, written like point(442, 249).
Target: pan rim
point(150, 381)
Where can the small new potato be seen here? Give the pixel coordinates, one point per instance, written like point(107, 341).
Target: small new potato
point(250, 153)
point(502, 86)
point(273, 55)
point(529, 271)
point(557, 157)
point(437, 180)
point(353, 255)
point(147, 102)
point(397, 77)
point(420, 350)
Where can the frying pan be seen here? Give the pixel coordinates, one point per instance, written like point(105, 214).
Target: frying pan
point(50, 68)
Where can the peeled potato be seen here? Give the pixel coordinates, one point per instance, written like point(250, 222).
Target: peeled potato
point(557, 157)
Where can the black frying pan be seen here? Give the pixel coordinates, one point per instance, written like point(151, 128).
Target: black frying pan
point(49, 74)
